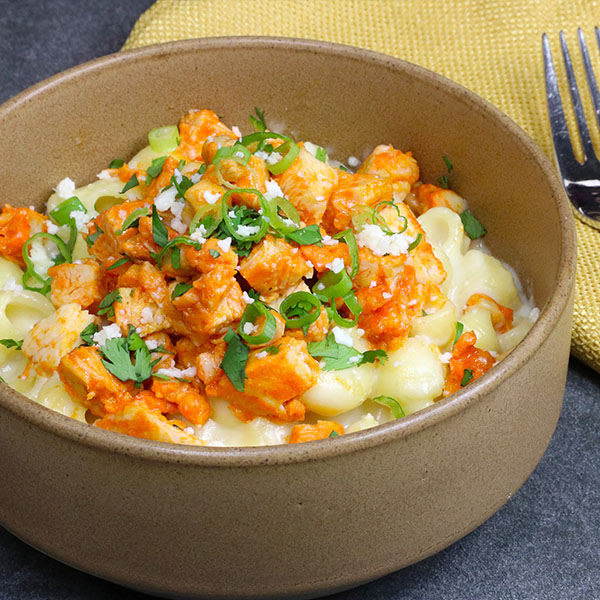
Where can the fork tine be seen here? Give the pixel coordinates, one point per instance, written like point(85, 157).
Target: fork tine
point(589, 73)
point(584, 134)
point(558, 124)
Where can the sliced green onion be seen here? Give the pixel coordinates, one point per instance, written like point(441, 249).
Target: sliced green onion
point(262, 136)
point(332, 285)
point(290, 151)
point(290, 212)
point(458, 332)
point(31, 273)
point(261, 222)
point(348, 236)
point(183, 241)
point(395, 206)
point(394, 406)
point(321, 154)
point(62, 213)
point(208, 216)
point(251, 314)
point(164, 139)
point(467, 376)
point(353, 305)
point(311, 234)
point(230, 152)
point(414, 244)
point(131, 220)
point(300, 309)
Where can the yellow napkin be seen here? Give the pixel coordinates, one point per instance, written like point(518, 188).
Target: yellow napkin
point(492, 47)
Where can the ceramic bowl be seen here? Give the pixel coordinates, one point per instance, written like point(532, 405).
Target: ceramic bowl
point(308, 519)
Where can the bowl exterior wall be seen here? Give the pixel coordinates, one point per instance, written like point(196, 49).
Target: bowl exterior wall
point(297, 530)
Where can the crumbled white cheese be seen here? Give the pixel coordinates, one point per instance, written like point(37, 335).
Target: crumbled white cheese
point(211, 197)
point(445, 357)
point(301, 173)
point(329, 241)
point(178, 225)
point(412, 302)
point(386, 295)
point(224, 244)
point(80, 218)
point(342, 336)
point(247, 230)
point(374, 238)
point(354, 359)
point(122, 214)
point(178, 176)
point(249, 328)
point(534, 315)
point(165, 200)
point(273, 190)
point(262, 154)
point(195, 178)
point(236, 131)
point(198, 235)
point(247, 299)
point(273, 158)
point(309, 264)
point(262, 354)
point(106, 333)
point(105, 174)
point(51, 227)
point(353, 161)
point(372, 284)
point(65, 188)
point(40, 257)
point(11, 285)
point(146, 316)
point(360, 332)
point(151, 344)
point(336, 265)
point(175, 372)
point(190, 430)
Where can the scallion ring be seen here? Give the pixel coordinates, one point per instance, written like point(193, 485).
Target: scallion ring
point(164, 140)
point(395, 206)
point(262, 136)
point(353, 306)
point(252, 313)
point(290, 151)
point(348, 236)
point(31, 273)
point(230, 152)
point(180, 240)
point(62, 213)
point(332, 285)
point(292, 218)
point(208, 216)
point(300, 309)
point(261, 222)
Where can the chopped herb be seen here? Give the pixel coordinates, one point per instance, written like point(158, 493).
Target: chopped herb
point(181, 186)
point(335, 356)
point(321, 154)
point(133, 220)
point(459, 331)
point(344, 168)
point(171, 246)
point(119, 263)
point(242, 215)
point(2, 379)
point(467, 376)
point(443, 182)
point(253, 294)
point(116, 163)
point(370, 356)
point(272, 349)
point(258, 121)
point(235, 359)
point(155, 168)
point(214, 253)
point(306, 236)
point(473, 228)
point(92, 237)
point(181, 288)
point(133, 181)
point(423, 313)
point(87, 335)
point(415, 243)
point(394, 406)
point(106, 305)
point(181, 164)
point(162, 377)
point(12, 343)
point(334, 433)
point(117, 358)
point(448, 163)
point(159, 232)
point(202, 170)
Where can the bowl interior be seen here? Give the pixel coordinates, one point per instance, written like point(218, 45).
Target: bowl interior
point(346, 99)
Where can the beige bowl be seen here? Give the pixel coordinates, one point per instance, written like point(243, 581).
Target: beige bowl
point(309, 519)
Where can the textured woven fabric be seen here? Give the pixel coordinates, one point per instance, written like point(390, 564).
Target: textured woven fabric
point(490, 46)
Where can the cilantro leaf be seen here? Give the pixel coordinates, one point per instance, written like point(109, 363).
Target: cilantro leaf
point(132, 220)
point(253, 294)
point(370, 356)
point(116, 163)
point(8, 343)
point(443, 182)
point(119, 263)
point(90, 240)
point(258, 121)
point(394, 406)
point(473, 228)
point(467, 376)
point(181, 288)
point(155, 169)
point(306, 236)
point(272, 349)
point(235, 359)
point(336, 356)
point(321, 154)
point(159, 232)
point(133, 181)
point(214, 253)
point(458, 332)
point(334, 434)
point(448, 163)
point(106, 305)
point(181, 186)
point(87, 334)
point(117, 357)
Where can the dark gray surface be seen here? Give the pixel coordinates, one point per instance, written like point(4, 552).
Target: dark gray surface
point(544, 544)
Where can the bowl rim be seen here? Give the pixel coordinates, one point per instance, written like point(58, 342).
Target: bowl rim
point(213, 456)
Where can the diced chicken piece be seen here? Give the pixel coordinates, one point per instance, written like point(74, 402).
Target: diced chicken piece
point(212, 304)
point(55, 336)
point(308, 183)
point(466, 356)
point(354, 193)
point(388, 162)
point(204, 196)
point(88, 381)
point(208, 363)
point(211, 255)
point(79, 283)
point(426, 196)
point(165, 352)
point(502, 316)
point(321, 256)
point(316, 332)
point(138, 309)
point(319, 431)
point(190, 402)
point(163, 179)
point(138, 420)
point(274, 266)
point(378, 269)
point(187, 351)
point(213, 144)
point(251, 176)
point(17, 225)
point(273, 382)
point(195, 127)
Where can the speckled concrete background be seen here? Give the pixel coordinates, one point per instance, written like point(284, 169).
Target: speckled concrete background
point(543, 545)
